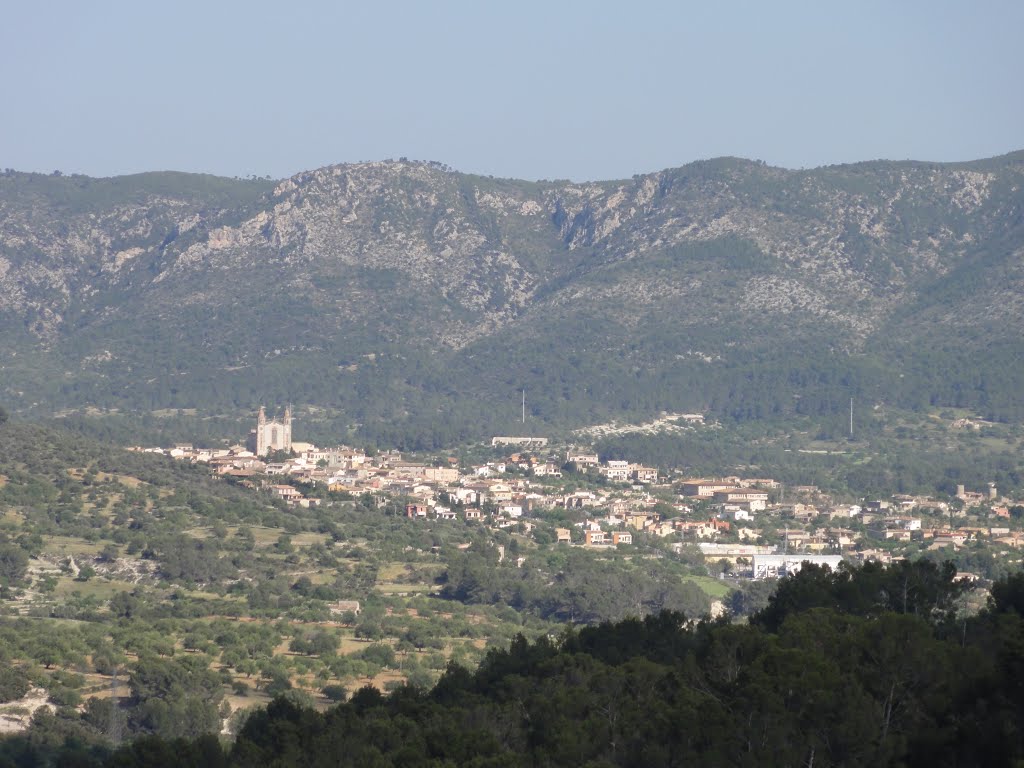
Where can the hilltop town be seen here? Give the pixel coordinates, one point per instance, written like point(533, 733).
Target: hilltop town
point(744, 527)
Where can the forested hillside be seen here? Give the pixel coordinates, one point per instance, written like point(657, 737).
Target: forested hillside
point(869, 667)
point(409, 303)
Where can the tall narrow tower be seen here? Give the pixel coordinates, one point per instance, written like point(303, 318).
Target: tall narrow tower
point(261, 437)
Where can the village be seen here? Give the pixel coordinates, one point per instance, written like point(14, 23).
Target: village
point(746, 527)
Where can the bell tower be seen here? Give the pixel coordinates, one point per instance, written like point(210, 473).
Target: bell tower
point(261, 437)
point(274, 434)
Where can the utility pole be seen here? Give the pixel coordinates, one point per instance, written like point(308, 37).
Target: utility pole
point(851, 418)
point(115, 706)
point(524, 406)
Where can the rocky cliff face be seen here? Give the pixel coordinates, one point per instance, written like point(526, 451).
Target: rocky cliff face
point(718, 258)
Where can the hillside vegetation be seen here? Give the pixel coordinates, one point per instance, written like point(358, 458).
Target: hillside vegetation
point(411, 303)
point(140, 596)
point(865, 667)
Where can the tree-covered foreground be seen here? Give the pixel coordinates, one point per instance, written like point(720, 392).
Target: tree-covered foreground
point(871, 666)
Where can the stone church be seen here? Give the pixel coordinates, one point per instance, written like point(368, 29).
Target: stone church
point(271, 434)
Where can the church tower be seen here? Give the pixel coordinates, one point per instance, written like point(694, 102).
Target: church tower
point(271, 434)
point(261, 420)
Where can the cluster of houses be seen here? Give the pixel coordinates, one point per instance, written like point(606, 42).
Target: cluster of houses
point(504, 492)
point(815, 525)
point(730, 518)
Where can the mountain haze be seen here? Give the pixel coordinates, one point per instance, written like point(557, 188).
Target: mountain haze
point(411, 299)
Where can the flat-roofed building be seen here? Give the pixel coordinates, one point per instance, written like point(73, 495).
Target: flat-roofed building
point(775, 566)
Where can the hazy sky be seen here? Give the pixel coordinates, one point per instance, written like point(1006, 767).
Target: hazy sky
point(580, 90)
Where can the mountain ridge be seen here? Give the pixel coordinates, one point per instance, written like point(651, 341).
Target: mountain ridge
point(678, 279)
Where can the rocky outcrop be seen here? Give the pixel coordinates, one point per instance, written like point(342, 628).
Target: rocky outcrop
point(356, 256)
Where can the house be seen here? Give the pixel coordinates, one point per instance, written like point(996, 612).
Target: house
point(421, 491)
point(596, 537)
point(473, 513)
point(619, 508)
point(775, 566)
point(643, 474)
point(904, 501)
point(579, 500)
point(844, 512)
point(842, 538)
point(703, 529)
point(500, 492)
point(622, 537)
point(546, 469)
point(345, 606)
point(465, 495)
point(876, 555)
point(416, 510)
point(581, 459)
point(616, 471)
point(563, 536)
point(946, 537)
point(538, 501)
point(286, 492)
point(907, 523)
point(754, 499)
point(793, 538)
point(704, 489)
point(739, 513)
point(733, 552)
point(806, 515)
point(660, 529)
point(639, 520)
point(1013, 540)
point(442, 475)
point(817, 542)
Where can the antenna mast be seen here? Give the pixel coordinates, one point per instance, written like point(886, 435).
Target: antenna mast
point(115, 721)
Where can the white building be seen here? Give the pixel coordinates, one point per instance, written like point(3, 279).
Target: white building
point(271, 434)
point(775, 566)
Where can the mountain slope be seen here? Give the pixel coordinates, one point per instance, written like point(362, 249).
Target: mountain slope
point(399, 291)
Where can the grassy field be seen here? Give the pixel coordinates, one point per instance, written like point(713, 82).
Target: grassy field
point(713, 588)
point(68, 545)
point(102, 589)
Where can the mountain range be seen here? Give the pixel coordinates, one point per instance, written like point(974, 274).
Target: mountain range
point(413, 303)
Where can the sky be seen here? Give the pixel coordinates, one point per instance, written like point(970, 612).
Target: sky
point(531, 90)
